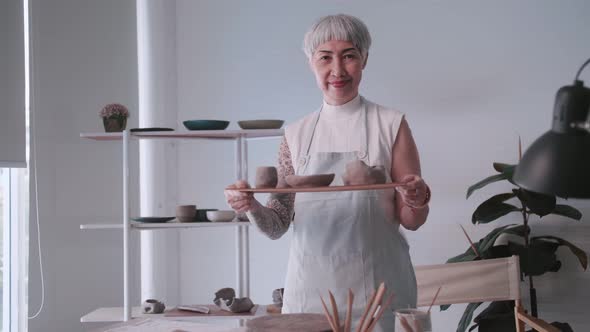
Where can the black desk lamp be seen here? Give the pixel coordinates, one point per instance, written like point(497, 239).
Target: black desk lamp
point(558, 163)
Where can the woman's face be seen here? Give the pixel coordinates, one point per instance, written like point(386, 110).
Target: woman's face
point(338, 68)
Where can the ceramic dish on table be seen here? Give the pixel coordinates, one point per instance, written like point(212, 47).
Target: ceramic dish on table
point(304, 181)
point(221, 215)
point(205, 124)
point(261, 124)
point(152, 219)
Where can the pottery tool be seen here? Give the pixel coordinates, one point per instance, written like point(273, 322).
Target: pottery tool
point(373, 307)
point(382, 309)
point(434, 299)
point(470, 242)
point(327, 313)
point(368, 307)
point(348, 318)
point(335, 311)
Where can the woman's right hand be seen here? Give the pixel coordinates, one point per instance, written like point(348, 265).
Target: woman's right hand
point(240, 201)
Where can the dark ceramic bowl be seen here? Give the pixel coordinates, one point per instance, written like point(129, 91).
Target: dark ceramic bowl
point(152, 219)
point(205, 124)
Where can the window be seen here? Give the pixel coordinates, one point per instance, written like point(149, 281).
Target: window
point(14, 218)
point(4, 238)
point(13, 258)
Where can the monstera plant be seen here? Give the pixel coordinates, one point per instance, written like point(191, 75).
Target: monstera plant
point(537, 253)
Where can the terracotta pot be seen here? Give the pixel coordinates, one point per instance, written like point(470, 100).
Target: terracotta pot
point(114, 124)
point(266, 177)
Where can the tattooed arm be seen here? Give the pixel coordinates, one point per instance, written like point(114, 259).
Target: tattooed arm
point(274, 219)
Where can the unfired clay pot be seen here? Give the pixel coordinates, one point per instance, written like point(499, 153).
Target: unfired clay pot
point(266, 177)
point(226, 299)
point(358, 173)
point(277, 297)
point(186, 213)
point(152, 306)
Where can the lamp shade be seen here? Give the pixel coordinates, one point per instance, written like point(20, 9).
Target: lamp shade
point(558, 163)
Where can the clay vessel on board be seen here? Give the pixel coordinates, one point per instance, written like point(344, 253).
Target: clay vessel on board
point(358, 173)
point(266, 177)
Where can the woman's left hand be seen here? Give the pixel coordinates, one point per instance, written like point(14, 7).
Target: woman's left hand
point(414, 191)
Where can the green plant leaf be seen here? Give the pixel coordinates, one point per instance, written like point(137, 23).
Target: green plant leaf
point(499, 198)
point(467, 256)
point(539, 204)
point(500, 167)
point(498, 316)
point(567, 211)
point(538, 258)
point(498, 251)
point(579, 253)
point(506, 170)
point(491, 210)
point(467, 316)
point(485, 182)
point(444, 307)
point(517, 230)
point(484, 244)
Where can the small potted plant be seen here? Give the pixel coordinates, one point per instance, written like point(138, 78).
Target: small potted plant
point(114, 117)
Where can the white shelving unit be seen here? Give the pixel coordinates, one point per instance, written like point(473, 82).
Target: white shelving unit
point(241, 138)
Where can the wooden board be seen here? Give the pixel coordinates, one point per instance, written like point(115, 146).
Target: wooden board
point(289, 323)
point(213, 311)
point(319, 189)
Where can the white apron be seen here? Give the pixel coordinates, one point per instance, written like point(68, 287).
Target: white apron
point(345, 240)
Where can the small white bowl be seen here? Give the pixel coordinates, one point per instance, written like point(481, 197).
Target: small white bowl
point(221, 215)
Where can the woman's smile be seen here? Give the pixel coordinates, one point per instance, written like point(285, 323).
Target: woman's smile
point(339, 84)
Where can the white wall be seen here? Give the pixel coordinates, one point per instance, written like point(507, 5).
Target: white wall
point(471, 77)
point(84, 56)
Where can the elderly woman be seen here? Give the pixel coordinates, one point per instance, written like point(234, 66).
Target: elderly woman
point(347, 239)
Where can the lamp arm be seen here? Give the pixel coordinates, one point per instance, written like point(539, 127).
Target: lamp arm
point(586, 124)
point(581, 68)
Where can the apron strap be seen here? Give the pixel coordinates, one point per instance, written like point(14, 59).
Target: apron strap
point(363, 154)
point(307, 143)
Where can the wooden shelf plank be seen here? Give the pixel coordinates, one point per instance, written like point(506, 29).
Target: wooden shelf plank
point(165, 225)
point(169, 225)
point(101, 226)
point(185, 134)
point(319, 189)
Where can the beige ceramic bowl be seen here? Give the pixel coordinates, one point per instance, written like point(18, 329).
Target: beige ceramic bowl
point(260, 124)
point(221, 215)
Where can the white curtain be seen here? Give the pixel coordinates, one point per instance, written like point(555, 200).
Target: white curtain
point(12, 84)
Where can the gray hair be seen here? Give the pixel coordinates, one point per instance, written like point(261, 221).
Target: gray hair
point(337, 27)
